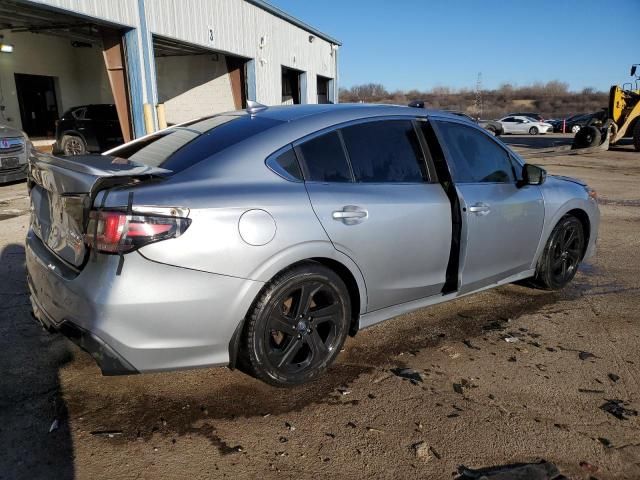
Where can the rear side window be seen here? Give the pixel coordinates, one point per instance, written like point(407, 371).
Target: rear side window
point(286, 165)
point(324, 159)
point(385, 152)
point(181, 147)
point(475, 157)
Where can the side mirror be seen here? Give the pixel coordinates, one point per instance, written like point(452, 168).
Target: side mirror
point(533, 175)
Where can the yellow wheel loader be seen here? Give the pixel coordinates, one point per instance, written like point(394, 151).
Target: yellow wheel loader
point(620, 119)
point(624, 110)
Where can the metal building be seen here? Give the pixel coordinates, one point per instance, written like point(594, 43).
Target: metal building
point(192, 57)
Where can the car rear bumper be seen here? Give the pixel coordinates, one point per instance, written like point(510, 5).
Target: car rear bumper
point(152, 317)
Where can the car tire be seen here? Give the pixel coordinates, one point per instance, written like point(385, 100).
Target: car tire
point(492, 130)
point(562, 255)
point(533, 131)
point(297, 326)
point(73, 145)
point(587, 137)
point(575, 129)
point(636, 135)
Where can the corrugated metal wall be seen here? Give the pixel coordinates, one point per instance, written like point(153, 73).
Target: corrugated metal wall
point(238, 28)
point(123, 12)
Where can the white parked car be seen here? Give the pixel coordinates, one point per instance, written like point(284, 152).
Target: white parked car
point(520, 124)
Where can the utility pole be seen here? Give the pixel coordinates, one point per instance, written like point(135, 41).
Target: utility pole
point(478, 104)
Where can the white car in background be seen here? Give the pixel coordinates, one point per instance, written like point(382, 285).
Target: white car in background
point(520, 124)
point(13, 154)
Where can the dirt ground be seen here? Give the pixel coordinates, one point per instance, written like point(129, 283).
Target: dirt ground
point(483, 401)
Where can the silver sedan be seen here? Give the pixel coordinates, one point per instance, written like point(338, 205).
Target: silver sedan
point(263, 238)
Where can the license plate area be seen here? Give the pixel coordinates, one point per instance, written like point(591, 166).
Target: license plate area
point(9, 162)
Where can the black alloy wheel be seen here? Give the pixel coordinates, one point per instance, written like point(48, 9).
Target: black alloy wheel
point(298, 326)
point(562, 254)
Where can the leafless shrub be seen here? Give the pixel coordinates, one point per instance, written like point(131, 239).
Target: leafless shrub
point(552, 99)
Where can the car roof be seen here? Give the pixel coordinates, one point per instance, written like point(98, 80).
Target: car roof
point(346, 111)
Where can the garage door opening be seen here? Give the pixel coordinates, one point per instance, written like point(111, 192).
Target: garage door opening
point(38, 104)
point(194, 82)
point(291, 86)
point(323, 89)
point(59, 62)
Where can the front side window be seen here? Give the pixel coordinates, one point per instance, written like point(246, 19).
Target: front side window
point(474, 157)
point(385, 151)
point(324, 159)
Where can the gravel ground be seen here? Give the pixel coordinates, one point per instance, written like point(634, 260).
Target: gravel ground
point(479, 400)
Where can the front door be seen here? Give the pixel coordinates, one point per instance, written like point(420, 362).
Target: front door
point(371, 190)
point(502, 222)
point(38, 104)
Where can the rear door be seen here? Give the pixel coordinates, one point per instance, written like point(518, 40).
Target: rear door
point(502, 221)
point(378, 201)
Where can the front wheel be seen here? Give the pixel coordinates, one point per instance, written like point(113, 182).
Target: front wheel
point(533, 130)
point(297, 326)
point(575, 129)
point(636, 135)
point(562, 254)
point(73, 145)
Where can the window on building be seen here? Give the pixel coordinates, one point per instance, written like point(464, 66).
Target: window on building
point(323, 89)
point(385, 151)
point(290, 86)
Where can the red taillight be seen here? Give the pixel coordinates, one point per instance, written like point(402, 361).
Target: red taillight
point(117, 232)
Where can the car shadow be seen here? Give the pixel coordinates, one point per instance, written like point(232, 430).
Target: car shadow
point(34, 431)
point(537, 141)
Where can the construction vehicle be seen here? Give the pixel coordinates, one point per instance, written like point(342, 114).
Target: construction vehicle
point(621, 119)
point(624, 110)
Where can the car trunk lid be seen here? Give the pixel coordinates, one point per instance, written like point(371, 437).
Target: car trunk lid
point(62, 193)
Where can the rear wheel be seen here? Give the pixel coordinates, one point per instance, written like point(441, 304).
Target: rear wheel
point(297, 326)
point(562, 254)
point(73, 145)
point(492, 130)
point(533, 130)
point(575, 129)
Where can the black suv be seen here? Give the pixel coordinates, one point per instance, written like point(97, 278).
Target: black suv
point(88, 129)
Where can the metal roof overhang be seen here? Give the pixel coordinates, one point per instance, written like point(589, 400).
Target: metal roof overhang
point(293, 20)
point(18, 17)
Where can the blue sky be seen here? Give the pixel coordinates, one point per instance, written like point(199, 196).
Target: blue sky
point(406, 44)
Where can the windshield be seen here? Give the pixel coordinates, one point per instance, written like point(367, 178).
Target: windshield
point(180, 147)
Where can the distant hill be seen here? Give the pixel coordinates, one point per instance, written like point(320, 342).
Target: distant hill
point(552, 99)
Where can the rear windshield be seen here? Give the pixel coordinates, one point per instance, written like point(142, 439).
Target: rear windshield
point(180, 147)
